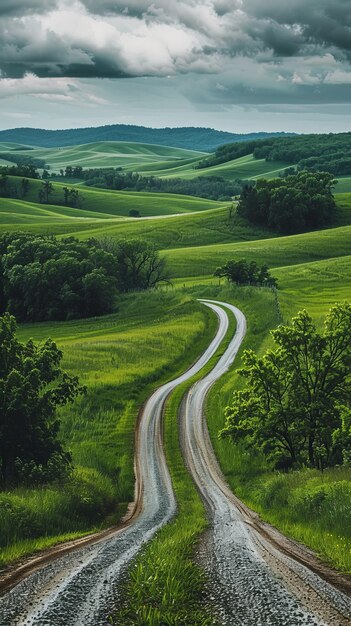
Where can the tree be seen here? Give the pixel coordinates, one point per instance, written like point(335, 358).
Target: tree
point(246, 273)
point(32, 386)
point(47, 189)
point(294, 407)
point(24, 187)
point(139, 264)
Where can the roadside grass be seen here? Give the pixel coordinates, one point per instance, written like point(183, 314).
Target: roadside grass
point(314, 286)
point(120, 358)
point(310, 506)
point(277, 252)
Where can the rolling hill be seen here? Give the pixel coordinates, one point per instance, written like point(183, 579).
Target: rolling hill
point(120, 203)
point(130, 156)
point(202, 139)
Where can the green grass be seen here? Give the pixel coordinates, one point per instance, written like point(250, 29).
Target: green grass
point(178, 231)
point(244, 168)
point(119, 203)
point(277, 252)
point(314, 286)
point(109, 355)
point(13, 211)
point(309, 506)
point(344, 185)
point(128, 155)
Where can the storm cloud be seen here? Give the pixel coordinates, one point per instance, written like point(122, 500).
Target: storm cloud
point(23, 7)
point(239, 51)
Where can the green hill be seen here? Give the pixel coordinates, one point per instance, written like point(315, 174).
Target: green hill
point(314, 286)
point(120, 203)
point(203, 139)
point(127, 155)
point(243, 168)
point(277, 252)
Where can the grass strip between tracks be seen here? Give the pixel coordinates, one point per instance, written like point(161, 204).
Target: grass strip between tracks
point(166, 586)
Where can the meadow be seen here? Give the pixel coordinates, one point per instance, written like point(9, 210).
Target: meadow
point(109, 355)
point(128, 155)
point(275, 252)
point(119, 203)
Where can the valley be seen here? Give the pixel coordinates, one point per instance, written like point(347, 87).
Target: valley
point(161, 362)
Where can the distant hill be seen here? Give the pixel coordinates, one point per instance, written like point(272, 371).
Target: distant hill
point(201, 139)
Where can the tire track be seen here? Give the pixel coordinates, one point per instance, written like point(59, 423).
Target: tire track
point(257, 576)
point(81, 587)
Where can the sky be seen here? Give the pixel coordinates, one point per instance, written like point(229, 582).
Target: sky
point(236, 65)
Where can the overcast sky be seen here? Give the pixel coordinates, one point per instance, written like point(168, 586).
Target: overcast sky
point(238, 65)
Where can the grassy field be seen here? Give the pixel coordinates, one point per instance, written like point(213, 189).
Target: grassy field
point(276, 252)
point(119, 203)
point(344, 185)
point(127, 155)
point(147, 159)
point(207, 226)
point(314, 286)
point(121, 357)
point(109, 356)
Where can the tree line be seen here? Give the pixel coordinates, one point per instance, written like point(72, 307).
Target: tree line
point(13, 188)
point(22, 160)
point(45, 278)
point(290, 204)
point(326, 153)
point(211, 187)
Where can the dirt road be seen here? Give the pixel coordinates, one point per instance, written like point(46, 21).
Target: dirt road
point(256, 576)
point(80, 588)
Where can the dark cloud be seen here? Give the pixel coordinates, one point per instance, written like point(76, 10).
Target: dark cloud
point(240, 50)
point(109, 7)
point(24, 7)
point(323, 21)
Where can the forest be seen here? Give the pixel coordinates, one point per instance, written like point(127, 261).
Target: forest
point(328, 152)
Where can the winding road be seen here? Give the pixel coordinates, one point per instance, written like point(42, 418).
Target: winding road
point(256, 576)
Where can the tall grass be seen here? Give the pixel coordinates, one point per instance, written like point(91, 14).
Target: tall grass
point(120, 358)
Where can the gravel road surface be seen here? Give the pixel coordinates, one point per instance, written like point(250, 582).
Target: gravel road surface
point(251, 581)
point(81, 587)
